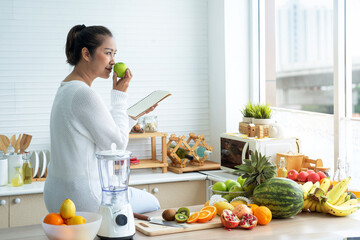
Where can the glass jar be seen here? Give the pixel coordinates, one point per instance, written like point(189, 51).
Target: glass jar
point(150, 124)
point(17, 180)
point(281, 171)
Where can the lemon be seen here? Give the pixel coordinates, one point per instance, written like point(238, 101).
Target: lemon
point(221, 206)
point(67, 209)
point(76, 220)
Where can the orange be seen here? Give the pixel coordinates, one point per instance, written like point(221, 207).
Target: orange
point(263, 215)
point(204, 216)
point(193, 217)
point(207, 203)
point(253, 206)
point(53, 219)
point(212, 209)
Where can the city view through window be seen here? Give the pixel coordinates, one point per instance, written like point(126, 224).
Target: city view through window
point(304, 56)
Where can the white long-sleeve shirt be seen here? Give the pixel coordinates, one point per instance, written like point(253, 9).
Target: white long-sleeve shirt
point(80, 125)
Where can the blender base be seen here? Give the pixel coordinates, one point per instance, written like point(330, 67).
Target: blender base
point(116, 238)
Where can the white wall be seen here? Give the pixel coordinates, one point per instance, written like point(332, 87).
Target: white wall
point(229, 53)
point(165, 43)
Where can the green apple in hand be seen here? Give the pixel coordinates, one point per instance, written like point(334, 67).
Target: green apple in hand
point(120, 69)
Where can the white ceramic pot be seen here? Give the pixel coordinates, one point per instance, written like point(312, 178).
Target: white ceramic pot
point(248, 119)
point(267, 121)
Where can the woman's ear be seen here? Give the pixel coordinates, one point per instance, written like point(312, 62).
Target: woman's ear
point(86, 54)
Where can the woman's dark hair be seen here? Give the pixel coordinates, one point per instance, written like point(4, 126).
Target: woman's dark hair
point(79, 37)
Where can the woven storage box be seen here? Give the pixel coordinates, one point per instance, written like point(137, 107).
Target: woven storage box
point(293, 161)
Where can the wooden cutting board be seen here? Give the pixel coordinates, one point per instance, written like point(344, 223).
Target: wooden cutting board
point(151, 229)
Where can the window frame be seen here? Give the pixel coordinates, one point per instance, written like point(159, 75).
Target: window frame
point(262, 41)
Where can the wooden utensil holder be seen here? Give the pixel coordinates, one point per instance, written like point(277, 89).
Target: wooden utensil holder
point(153, 162)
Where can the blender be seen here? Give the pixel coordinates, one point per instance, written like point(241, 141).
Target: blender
point(117, 215)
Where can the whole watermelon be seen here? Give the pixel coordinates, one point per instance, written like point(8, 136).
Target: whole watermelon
point(282, 196)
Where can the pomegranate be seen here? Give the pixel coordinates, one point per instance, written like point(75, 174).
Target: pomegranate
point(241, 209)
point(248, 221)
point(314, 177)
point(229, 219)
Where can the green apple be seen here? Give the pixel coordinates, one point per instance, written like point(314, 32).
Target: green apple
point(228, 197)
point(241, 180)
point(231, 184)
point(235, 191)
point(219, 186)
point(120, 69)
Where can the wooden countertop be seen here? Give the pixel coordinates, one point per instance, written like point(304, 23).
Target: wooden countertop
point(303, 226)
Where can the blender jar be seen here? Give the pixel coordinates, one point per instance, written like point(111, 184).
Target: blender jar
point(114, 170)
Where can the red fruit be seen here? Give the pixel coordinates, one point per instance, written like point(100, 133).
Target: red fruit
point(310, 171)
point(321, 174)
point(313, 177)
point(248, 221)
point(293, 175)
point(229, 219)
point(302, 177)
point(241, 209)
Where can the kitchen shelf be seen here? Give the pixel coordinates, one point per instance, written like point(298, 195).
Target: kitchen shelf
point(153, 162)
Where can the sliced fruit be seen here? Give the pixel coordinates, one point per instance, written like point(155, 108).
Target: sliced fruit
point(184, 210)
point(193, 217)
point(212, 209)
point(207, 203)
point(248, 221)
point(229, 220)
point(181, 218)
point(204, 216)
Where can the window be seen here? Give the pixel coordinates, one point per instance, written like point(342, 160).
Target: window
point(309, 55)
point(304, 56)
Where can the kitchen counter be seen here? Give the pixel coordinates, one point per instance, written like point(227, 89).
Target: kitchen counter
point(303, 226)
point(137, 177)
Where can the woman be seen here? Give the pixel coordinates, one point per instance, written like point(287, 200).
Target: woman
point(81, 124)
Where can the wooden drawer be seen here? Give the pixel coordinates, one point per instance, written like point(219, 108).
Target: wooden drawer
point(27, 209)
point(177, 194)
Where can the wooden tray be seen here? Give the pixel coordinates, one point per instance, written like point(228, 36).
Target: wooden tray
point(208, 165)
point(151, 229)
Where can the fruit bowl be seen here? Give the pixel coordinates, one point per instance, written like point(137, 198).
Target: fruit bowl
point(85, 231)
point(230, 195)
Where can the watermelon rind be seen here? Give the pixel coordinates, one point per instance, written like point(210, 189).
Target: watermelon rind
point(282, 196)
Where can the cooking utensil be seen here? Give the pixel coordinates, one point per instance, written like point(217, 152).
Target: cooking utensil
point(25, 142)
point(17, 146)
point(4, 143)
point(157, 221)
point(13, 140)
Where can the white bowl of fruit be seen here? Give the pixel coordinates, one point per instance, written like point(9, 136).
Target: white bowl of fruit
point(71, 225)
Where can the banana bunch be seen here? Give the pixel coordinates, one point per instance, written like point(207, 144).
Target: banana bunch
point(318, 198)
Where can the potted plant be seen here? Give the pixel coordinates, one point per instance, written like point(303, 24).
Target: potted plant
point(262, 114)
point(248, 113)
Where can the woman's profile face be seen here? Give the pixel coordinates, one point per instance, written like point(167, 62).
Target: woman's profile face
point(103, 61)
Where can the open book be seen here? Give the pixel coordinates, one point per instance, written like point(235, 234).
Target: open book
point(147, 102)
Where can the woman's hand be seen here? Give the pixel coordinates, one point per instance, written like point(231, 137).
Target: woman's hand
point(123, 83)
